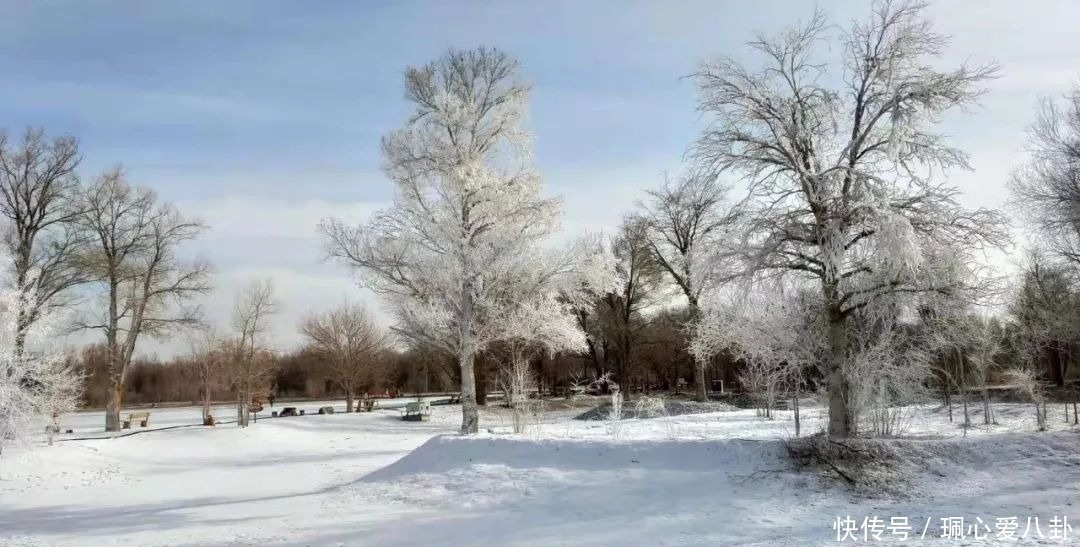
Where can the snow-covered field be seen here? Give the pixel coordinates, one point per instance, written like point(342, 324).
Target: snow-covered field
point(721, 478)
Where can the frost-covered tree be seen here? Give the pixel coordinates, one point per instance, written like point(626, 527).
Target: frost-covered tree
point(1044, 309)
point(350, 343)
point(1047, 187)
point(775, 331)
point(889, 364)
point(985, 349)
point(132, 257)
point(968, 346)
point(687, 227)
point(614, 320)
point(843, 166)
point(1027, 380)
point(37, 383)
point(539, 304)
point(542, 322)
point(468, 214)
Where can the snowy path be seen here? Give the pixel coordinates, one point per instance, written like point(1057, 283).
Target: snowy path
point(370, 479)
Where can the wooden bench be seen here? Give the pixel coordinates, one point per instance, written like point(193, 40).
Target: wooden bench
point(416, 411)
point(142, 418)
point(369, 405)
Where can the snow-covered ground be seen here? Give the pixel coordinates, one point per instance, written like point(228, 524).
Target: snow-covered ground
point(92, 423)
point(720, 478)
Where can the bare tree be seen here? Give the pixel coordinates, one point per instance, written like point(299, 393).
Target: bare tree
point(639, 288)
point(251, 365)
point(146, 287)
point(687, 227)
point(1047, 187)
point(350, 343)
point(37, 187)
point(208, 358)
point(842, 182)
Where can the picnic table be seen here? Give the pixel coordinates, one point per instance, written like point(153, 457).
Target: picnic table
point(416, 411)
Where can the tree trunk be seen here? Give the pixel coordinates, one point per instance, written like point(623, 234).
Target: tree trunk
point(702, 393)
point(948, 402)
point(241, 403)
point(470, 415)
point(675, 378)
point(840, 417)
point(964, 397)
point(596, 358)
point(1057, 370)
point(348, 400)
point(795, 406)
point(116, 369)
point(206, 413)
point(480, 380)
point(839, 413)
point(988, 417)
point(112, 409)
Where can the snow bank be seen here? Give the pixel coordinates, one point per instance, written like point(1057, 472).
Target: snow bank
point(670, 408)
point(483, 471)
point(976, 463)
point(449, 452)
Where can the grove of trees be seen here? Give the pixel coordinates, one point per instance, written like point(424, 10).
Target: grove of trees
point(811, 248)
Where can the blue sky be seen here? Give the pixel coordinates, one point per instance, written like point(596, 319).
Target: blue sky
point(263, 117)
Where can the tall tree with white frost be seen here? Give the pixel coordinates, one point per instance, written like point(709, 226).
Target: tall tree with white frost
point(350, 342)
point(146, 287)
point(467, 209)
point(687, 227)
point(842, 180)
